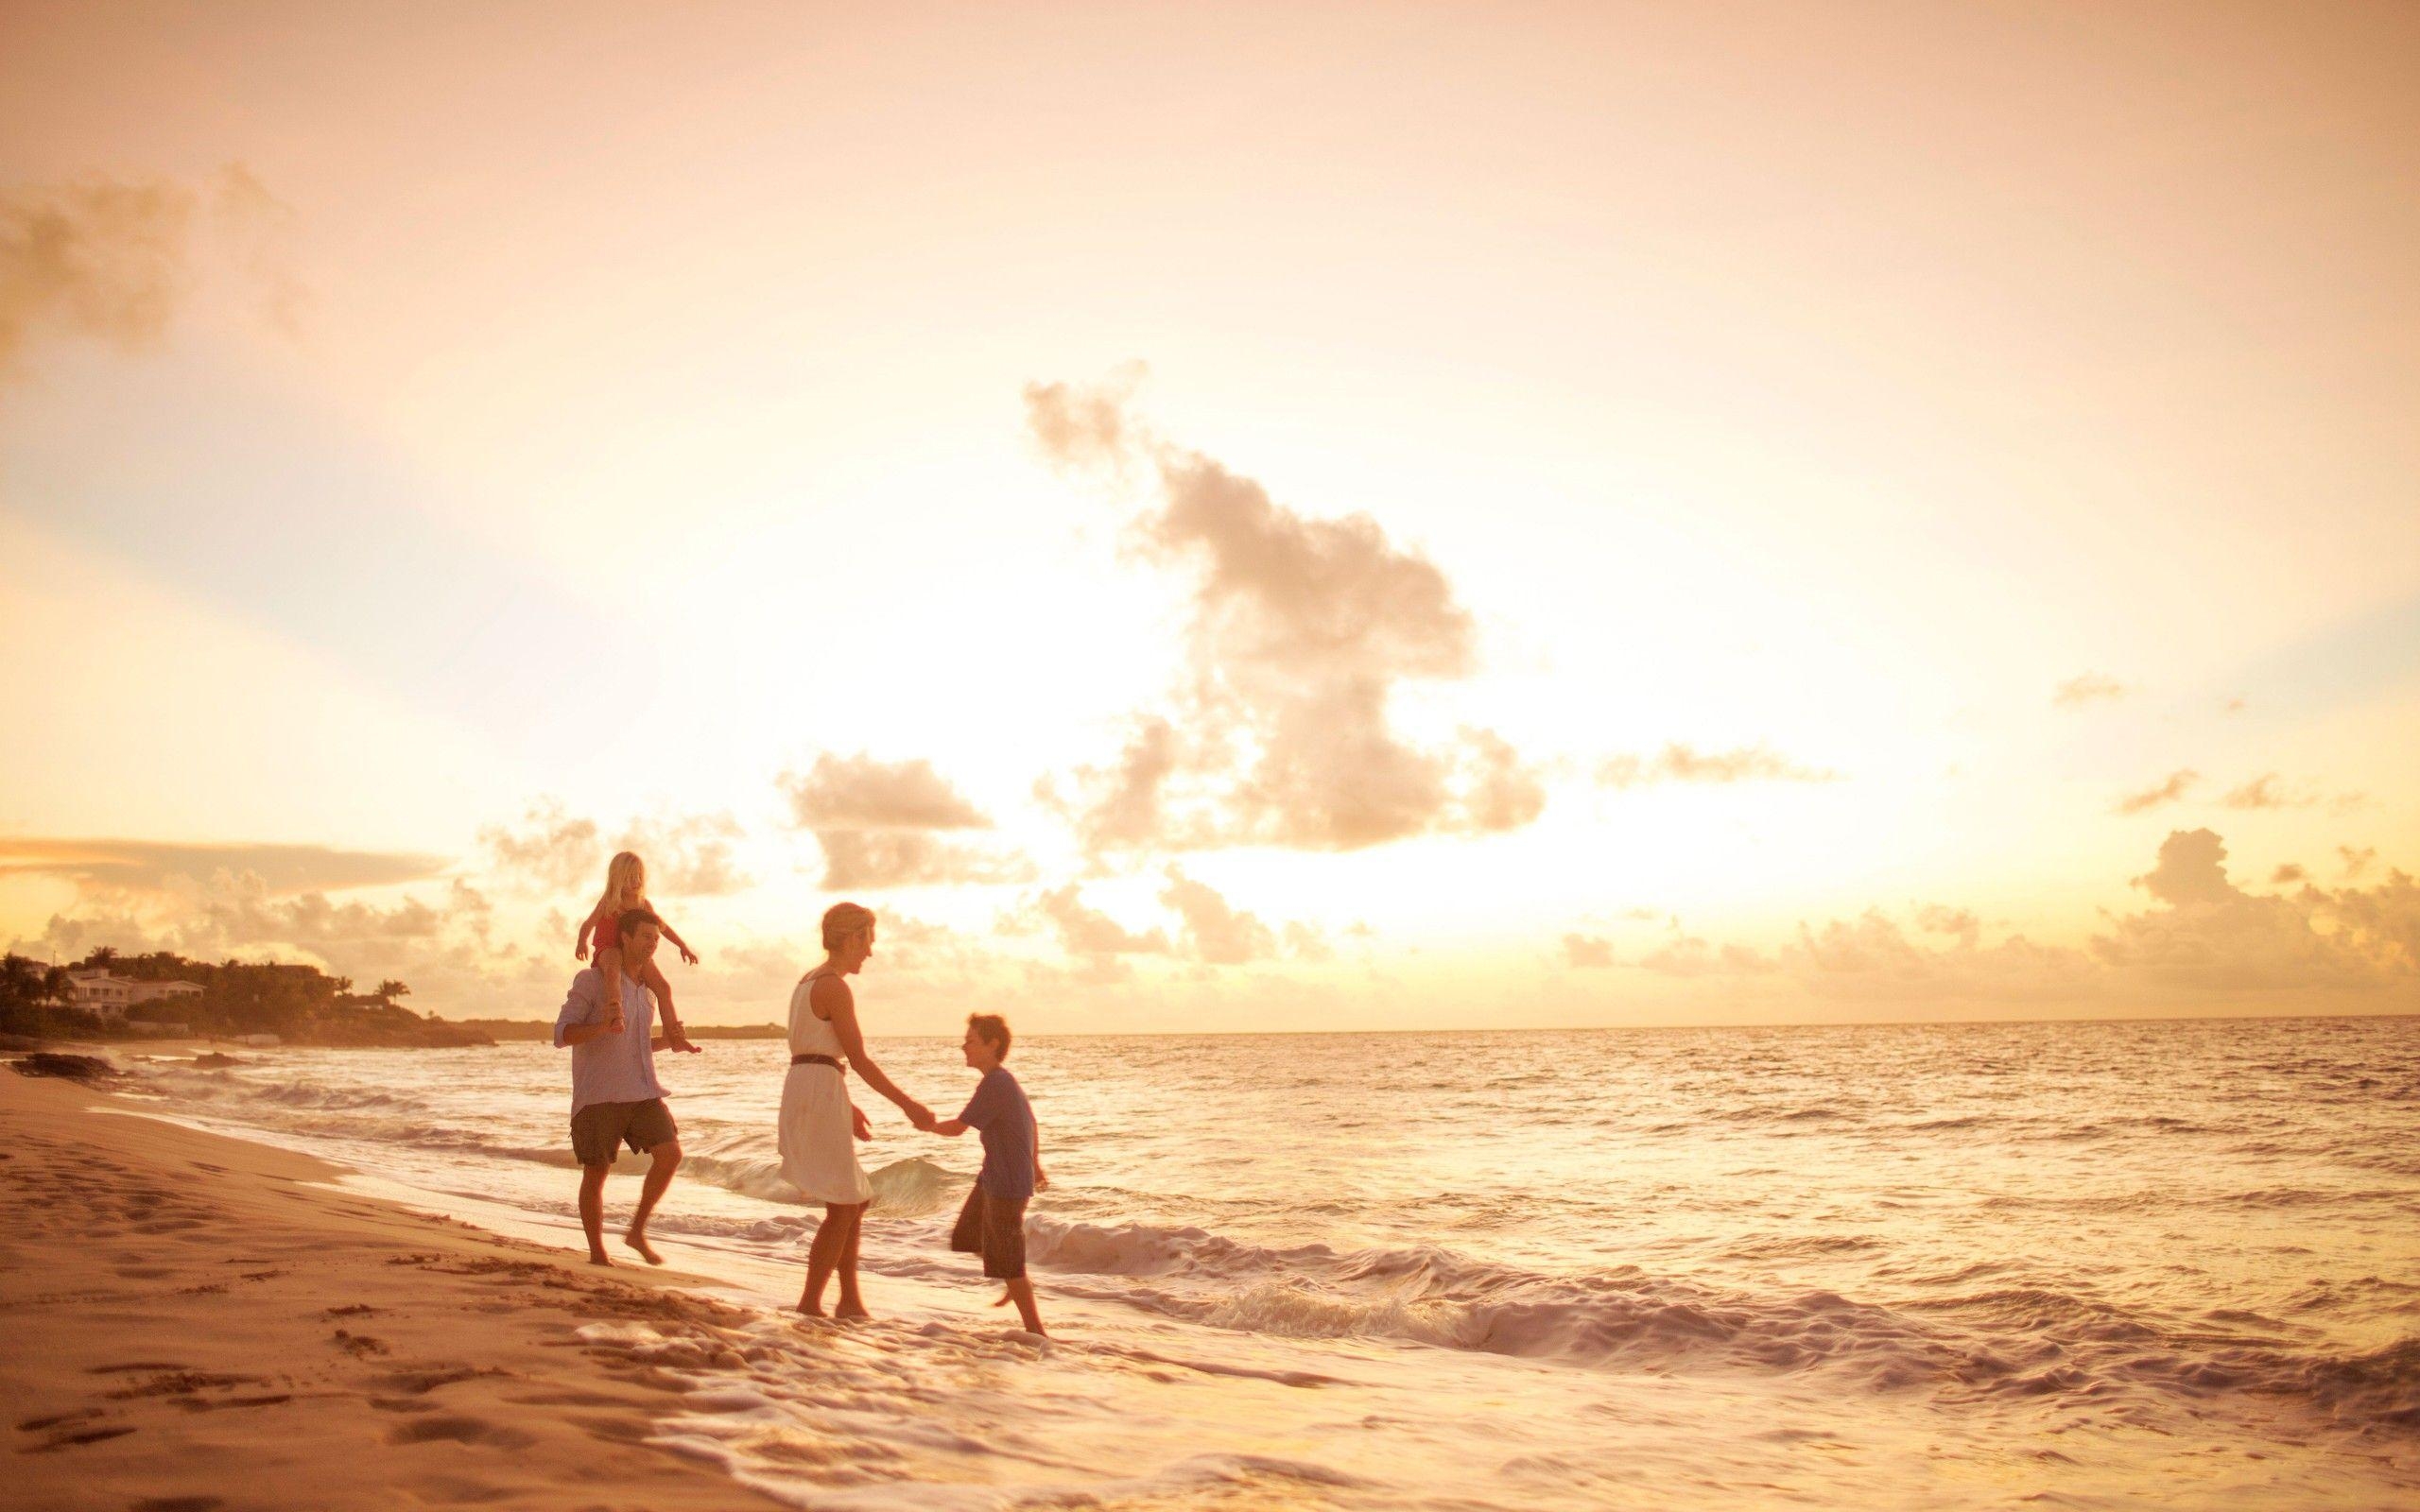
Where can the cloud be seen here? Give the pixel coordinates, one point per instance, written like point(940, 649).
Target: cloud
point(688, 854)
point(1300, 633)
point(1677, 763)
point(1872, 959)
point(2090, 687)
point(1086, 429)
point(549, 852)
point(2357, 859)
point(113, 261)
point(879, 823)
point(1087, 932)
point(2289, 872)
point(2262, 792)
point(2151, 798)
point(1582, 952)
point(1216, 933)
point(1684, 954)
point(548, 849)
point(1305, 942)
point(905, 858)
point(2202, 936)
point(1500, 792)
point(2209, 934)
point(1940, 919)
point(860, 793)
point(1121, 806)
point(155, 865)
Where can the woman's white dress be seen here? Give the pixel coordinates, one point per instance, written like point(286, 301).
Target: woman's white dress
point(819, 1149)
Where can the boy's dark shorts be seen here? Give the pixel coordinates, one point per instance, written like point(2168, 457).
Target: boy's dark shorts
point(993, 1228)
point(599, 1130)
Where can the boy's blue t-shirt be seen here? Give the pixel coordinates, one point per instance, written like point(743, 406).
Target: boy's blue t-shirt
point(999, 1110)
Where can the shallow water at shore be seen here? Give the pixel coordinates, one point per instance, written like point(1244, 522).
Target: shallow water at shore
point(2118, 1264)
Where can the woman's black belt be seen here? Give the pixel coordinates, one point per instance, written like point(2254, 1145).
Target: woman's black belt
point(819, 1060)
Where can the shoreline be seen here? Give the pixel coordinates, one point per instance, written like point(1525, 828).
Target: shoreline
point(202, 1322)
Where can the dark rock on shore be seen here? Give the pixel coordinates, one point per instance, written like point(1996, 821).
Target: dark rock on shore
point(75, 1068)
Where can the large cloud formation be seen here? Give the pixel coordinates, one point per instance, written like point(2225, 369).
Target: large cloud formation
point(114, 262)
point(2202, 936)
point(1302, 629)
point(881, 824)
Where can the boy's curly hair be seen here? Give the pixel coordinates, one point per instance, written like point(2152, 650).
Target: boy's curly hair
point(992, 1029)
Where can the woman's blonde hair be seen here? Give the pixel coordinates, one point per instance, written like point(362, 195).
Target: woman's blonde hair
point(625, 884)
point(842, 920)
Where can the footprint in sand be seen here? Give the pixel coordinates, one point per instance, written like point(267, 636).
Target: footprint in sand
point(184, 1383)
point(67, 1440)
point(452, 1430)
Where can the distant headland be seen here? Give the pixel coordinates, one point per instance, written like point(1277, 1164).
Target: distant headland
point(160, 995)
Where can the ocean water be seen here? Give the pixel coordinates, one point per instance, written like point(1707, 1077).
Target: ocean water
point(2088, 1265)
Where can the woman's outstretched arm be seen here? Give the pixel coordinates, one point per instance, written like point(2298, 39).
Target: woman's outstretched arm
point(832, 1000)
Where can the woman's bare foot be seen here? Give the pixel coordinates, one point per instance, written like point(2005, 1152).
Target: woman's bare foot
point(599, 1257)
point(852, 1312)
point(808, 1309)
point(636, 1239)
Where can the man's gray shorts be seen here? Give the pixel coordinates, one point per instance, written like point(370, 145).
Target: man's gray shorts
point(599, 1130)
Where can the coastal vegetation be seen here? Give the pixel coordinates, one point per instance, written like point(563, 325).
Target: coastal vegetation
point(300, 1005)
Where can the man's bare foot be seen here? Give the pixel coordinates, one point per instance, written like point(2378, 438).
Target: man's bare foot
point(808, 1309)
point(636, 1239)
point(852, 1312)
point(599, 1257)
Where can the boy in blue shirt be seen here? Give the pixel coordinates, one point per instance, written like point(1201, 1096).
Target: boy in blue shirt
point(992, 1224)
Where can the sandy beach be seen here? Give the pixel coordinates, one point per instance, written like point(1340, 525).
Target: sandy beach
point(199, 1323)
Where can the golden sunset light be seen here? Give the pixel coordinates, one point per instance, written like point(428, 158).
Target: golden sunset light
point(1224, 520)
point(1551, 508)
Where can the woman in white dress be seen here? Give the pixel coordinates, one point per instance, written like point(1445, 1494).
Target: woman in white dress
point(817, 1119)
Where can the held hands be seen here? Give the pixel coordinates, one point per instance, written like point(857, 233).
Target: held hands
point(920, 1115)
point(857, 1124)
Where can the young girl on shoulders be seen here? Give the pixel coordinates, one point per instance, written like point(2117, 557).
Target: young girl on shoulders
point(625, 888)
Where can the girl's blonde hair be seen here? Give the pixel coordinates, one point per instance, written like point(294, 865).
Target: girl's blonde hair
point(842, 920)
point(625, 884)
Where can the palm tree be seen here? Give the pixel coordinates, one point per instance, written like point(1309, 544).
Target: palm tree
point(390, 990)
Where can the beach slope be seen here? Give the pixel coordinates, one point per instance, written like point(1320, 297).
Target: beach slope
point(197, 1323)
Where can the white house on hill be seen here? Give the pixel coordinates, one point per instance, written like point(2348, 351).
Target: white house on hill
point(98, 992)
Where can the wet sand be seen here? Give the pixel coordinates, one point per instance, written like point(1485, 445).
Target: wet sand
point(194, 1324)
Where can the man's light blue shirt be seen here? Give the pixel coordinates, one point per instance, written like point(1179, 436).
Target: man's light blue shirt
point(611, 1067)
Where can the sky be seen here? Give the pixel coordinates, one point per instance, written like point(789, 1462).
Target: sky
point(1224, 517)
